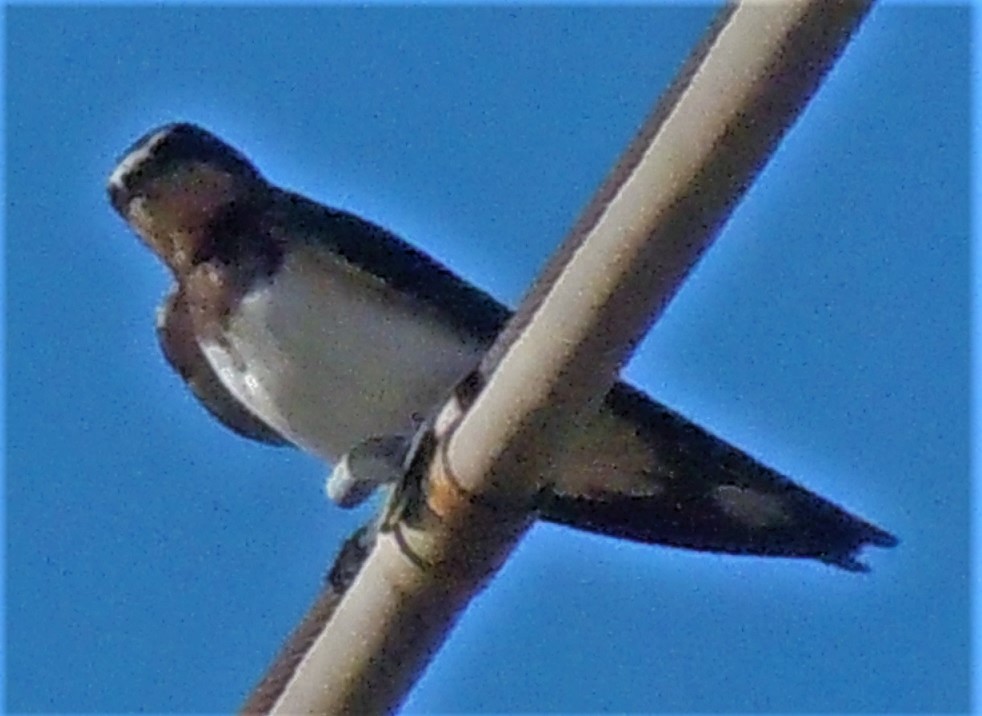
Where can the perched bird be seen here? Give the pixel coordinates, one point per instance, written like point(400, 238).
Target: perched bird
point(297, 324)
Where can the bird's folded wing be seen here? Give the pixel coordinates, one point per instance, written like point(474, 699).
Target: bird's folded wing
point(180, 347)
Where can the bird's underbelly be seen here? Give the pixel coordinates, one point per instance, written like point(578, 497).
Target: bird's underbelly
point(327, 363)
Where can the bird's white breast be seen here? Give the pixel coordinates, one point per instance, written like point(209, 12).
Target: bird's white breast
point(328, 357)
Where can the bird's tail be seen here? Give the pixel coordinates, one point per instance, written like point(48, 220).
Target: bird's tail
point(644, 473)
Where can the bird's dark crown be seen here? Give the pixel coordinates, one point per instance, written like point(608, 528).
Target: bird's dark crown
point(167, 148)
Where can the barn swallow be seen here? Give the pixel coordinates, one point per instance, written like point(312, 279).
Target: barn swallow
point(297, 324)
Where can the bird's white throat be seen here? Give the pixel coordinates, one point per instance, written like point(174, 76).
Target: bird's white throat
point(328, 356)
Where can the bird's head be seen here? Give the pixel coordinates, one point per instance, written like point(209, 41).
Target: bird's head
point(175, 183)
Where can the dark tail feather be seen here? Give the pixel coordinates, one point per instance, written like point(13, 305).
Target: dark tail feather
point(818, 529)
point(701, 493)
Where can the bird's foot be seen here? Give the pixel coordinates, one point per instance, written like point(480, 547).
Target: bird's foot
point(377, 461)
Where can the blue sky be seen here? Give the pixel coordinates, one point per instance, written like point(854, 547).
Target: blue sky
point(156, 561)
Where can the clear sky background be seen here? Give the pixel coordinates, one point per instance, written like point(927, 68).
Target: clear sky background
point(156, 561)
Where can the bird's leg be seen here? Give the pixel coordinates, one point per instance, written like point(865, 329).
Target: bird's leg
point(372, 463)
point(376, 461)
